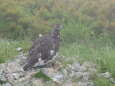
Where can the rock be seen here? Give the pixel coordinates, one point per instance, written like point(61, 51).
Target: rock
point(19, 49)
point(92, 73)
point(85, 79)
point(7, 84)
point(79, 75)
point(70, 67)
point(13, 67)
point(72, 84)
point(82, 69)
point(10, 78)
point(64, 72)
point(2, 78)
point(2, 68)
point(48, 70)
point(55, 75)
point(37, 83)
point(107, 75)
point(85, 84)
point(80, 84)
point(16, 75)
point(112, 80)
point(76, 66)
point(89, 65)
point(72, 74)
point(26, 78)
point(88, 84)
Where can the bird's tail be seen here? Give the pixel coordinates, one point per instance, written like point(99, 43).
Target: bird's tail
point(26, 66)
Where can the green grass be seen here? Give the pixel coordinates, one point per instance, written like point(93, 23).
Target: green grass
point(103, 56)
point(8, 48)
point(102, 81)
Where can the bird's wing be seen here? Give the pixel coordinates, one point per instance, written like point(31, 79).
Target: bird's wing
point(40, 48)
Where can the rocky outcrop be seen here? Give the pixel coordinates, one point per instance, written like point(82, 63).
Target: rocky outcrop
point(12, 74)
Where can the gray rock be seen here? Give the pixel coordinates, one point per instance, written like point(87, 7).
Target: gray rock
point(88, 84)
point(76, 66)
point(79, 75)
point(16, 75)
point(13, 67)
point(85, 79)
point(10, 78)
point(107, 75)
point(2, 78)
point(37, 83)
point(64, 72)
point(82, 69)
point(72, 74)
point(85, 84)
point(80, 84)
point(112, 80)
point(70, 67)
point(2, 68)
point(7, 84)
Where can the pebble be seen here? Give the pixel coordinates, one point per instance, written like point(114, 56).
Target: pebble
point(76, 66)
point(2, 78)
point(79, 75)
point(10, 78)
point(2, 68)
point(70, 67)
point(37, 83)
point(107, 74)
point(64, 72)
point(16, 75)
point(82, 69)
point(7, 84)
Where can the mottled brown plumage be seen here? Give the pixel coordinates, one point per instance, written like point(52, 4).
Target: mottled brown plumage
point(44, 49)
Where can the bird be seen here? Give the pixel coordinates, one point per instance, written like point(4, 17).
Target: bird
point(44, 49)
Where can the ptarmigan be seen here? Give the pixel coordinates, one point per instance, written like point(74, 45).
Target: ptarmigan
point(44, 49)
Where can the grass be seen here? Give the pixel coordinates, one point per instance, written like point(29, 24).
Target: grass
point(76, 45)
point(103, 56)
point(8, 48)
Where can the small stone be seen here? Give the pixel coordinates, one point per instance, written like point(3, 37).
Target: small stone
point(48, 70)
point(85, 79)
point(7, 84)
point(79, 75)
point(13, 67)
point(70, 67)
point(2, 78)
point(88, 84)
point(72, 84)
point(76, 66)
point(16, 75)
point(10, 78)
point(80, 84)
point(72, 74)
point(107, 75)
point(37, 83)
point(82, 69)
point(64, 72)
point(19, 49)
point(112, 80)
point(2, 68)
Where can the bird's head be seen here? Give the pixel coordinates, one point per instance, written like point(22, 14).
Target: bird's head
point(57, 26)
